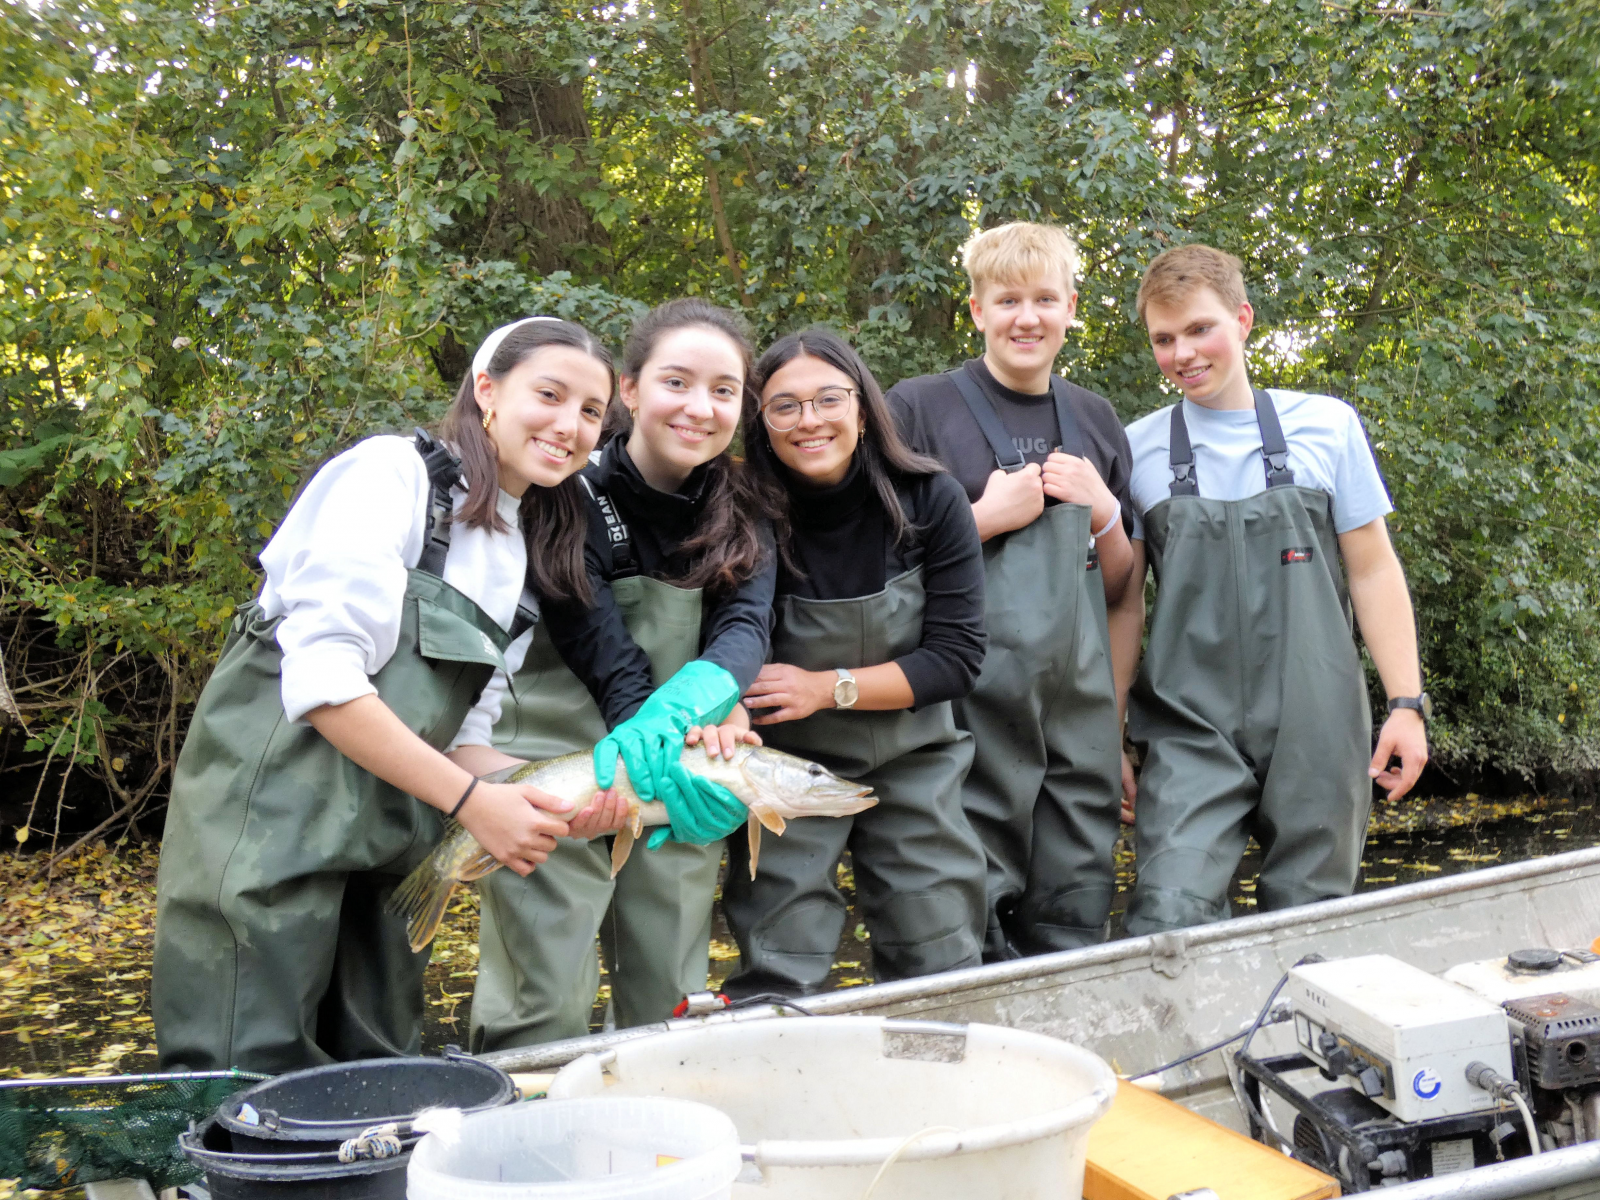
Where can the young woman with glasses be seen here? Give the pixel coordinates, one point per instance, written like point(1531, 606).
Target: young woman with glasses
point(878, 627)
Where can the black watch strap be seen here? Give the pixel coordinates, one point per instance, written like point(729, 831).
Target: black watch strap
point(1422, 704)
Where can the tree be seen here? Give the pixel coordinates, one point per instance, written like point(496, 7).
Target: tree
point(235, 239)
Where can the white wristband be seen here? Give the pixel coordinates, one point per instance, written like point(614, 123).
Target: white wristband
point(1116, 516)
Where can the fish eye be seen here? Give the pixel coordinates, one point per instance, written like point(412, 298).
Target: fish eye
point(816, 769)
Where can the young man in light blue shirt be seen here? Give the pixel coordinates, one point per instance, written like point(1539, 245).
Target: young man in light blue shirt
point(1254, 508)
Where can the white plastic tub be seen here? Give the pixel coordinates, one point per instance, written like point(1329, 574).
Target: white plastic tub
point(605, 1148)
point(822, 1104)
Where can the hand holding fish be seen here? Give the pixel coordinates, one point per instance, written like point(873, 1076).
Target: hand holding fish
point(722, 740)
point(774, 786)
point(515, 824)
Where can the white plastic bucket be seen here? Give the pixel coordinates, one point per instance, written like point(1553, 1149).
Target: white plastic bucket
point(822, 1104)
point(605, 1148)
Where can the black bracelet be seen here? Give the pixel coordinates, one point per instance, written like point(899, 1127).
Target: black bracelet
point(464, 796)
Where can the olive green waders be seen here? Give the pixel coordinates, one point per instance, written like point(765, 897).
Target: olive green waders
point(537, 972)
point(1251, 706)
point(272, 949)
point(1044, 790)
point(919, 868)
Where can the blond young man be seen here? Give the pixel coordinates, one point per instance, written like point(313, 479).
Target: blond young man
point(1251, 704)
point(1046, 466)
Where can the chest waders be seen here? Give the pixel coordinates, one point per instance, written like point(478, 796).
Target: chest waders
point(1046, 780)
point(537, 971)
point(918, 866)
point(1251, 705)
point(272, 949)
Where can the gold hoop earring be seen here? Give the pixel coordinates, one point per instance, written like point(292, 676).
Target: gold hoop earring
point(487, 417)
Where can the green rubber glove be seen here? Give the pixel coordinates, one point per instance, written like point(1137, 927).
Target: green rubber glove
point(700, 811)
point(651, 741)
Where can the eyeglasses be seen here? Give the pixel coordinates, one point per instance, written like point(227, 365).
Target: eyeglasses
point(831, 404)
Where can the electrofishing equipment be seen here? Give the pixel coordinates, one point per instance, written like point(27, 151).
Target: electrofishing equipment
point(1431, 1075)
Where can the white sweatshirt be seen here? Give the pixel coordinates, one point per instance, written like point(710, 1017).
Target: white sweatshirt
point(336, 572)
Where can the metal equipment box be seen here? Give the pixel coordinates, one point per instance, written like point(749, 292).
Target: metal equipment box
point(1403, 1035)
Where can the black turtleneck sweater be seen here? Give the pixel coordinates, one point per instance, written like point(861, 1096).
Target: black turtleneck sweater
point(843, 541)
point(595, 643)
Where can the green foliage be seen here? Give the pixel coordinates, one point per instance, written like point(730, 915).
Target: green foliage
point(234, 240)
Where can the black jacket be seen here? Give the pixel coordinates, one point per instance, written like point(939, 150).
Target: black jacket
point(595, 643)
point(843, 542)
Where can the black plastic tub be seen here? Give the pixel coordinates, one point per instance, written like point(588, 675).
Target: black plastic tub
point(322, 1107)
point(235, 1174)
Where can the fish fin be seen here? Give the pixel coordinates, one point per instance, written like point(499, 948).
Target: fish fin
point(622, 846)
point(422, 899)
point(767, 815)
point(476, 868)
point(635, 824)
point(753, 827)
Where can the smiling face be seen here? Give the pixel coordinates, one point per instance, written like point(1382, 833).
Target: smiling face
point(818, 451)
point(1199, 342)
point(1024, 325)
point(547, 414)
point(685, 404)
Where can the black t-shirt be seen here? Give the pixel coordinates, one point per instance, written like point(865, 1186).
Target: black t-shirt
point(595, 643)
point(833, 534)
point(935, 420)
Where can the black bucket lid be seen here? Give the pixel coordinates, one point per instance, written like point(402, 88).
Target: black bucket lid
point(338, 1101)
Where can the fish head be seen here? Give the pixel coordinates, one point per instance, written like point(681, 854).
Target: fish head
point(796, 787)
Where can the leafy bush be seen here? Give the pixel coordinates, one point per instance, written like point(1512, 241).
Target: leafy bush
point(233, 240)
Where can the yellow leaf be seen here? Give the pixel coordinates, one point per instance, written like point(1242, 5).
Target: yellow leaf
point(206, 201)
point(117, 764)
point(22, 834)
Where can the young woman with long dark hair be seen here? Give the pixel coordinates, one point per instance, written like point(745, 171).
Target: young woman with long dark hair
point(349, 710)
point(681, 568)
point(879, 626)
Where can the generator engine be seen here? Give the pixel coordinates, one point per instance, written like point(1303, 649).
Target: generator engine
point(1437, 1076)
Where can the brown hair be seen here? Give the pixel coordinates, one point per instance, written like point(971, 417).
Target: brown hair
point(883, 453)
point(554, 520)
point(1018, 252)
point(726, 548)
point(1176, 274)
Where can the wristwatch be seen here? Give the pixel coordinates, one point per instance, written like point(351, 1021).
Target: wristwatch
point(1423, 704)
point(845, 692)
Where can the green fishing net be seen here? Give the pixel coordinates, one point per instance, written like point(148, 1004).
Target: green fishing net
point(57, 1133)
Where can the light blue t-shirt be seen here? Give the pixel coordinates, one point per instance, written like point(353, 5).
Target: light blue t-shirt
point(1328, 449)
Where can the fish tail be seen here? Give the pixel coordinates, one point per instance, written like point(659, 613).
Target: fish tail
point(422, 899)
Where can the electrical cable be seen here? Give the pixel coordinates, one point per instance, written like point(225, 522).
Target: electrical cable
point(1484, 1077)
point(1527, 1121)
point(1178, 1062)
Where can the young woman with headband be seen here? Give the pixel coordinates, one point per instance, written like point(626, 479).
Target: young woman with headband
point(879, 626)
point(679, 559)
point(349, 713)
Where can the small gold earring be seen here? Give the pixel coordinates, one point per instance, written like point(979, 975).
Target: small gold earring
point(487, 417)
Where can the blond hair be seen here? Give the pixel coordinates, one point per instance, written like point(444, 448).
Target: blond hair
point(1177, 273)
point(1018, 252)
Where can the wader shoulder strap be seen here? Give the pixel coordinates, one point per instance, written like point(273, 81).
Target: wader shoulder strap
point(1068, 434)
point(1274, 450)
point(1005, 450)
point(444, 472)
point(1180, 456)
point(527, 615)
point(624, 562)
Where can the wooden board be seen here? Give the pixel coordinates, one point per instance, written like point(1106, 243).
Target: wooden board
point(1148, 1148)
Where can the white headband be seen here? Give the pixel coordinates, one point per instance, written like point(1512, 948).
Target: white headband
point(480, 360)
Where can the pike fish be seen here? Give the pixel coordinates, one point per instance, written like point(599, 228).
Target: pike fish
point(775, 787)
